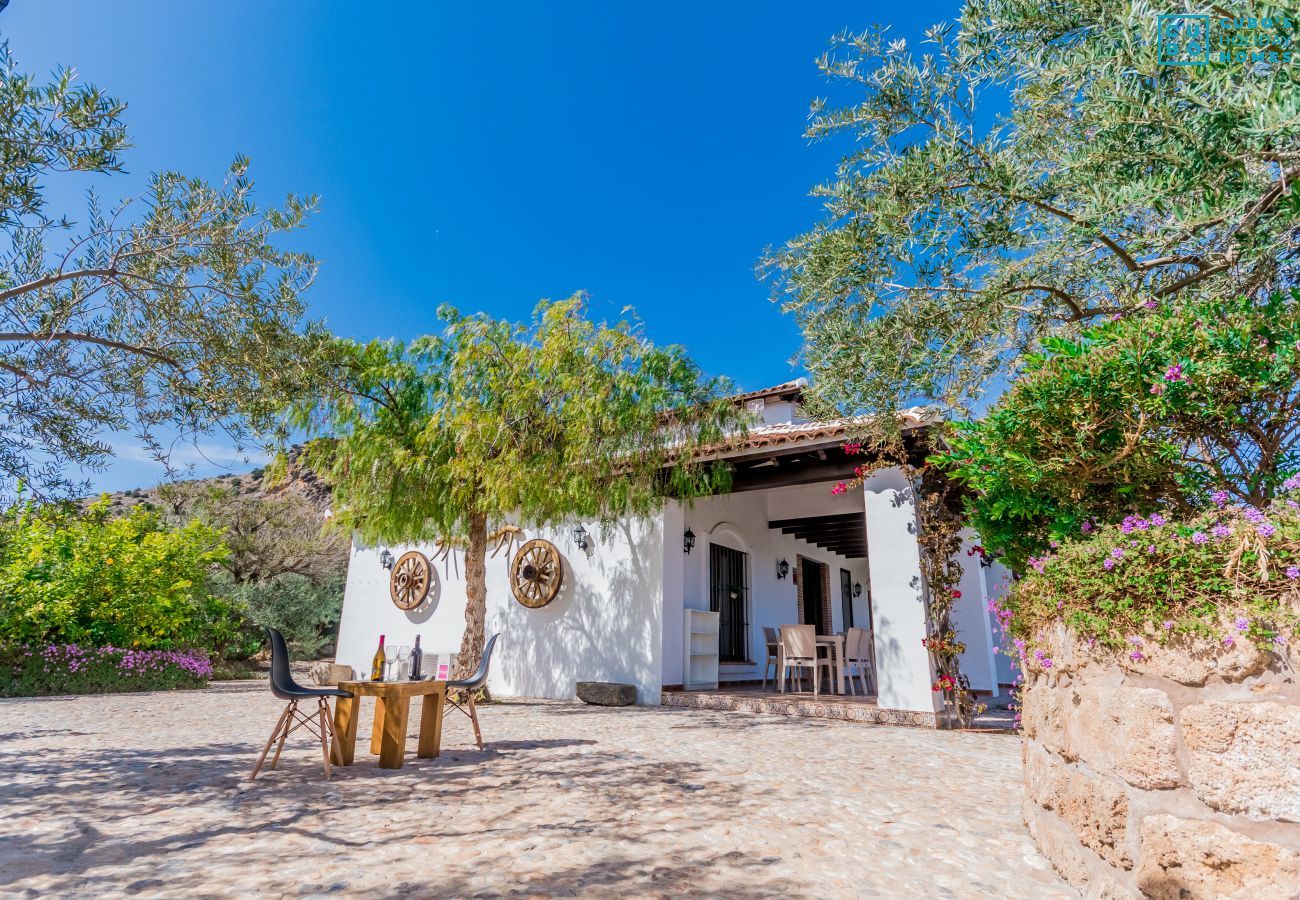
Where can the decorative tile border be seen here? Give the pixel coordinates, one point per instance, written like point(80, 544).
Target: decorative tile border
point(806, 708)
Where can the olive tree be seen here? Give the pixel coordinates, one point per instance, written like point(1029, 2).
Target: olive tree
point(1027, 172)
point(169, 314)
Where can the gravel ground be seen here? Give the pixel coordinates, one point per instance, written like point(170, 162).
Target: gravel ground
point(147, 795)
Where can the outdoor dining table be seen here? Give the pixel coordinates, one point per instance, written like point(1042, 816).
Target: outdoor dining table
point(392, 714)
point(836, 644)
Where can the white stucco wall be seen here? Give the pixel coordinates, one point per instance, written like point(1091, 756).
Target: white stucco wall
point(971, 618)
point(606, 624)
point(997, 581)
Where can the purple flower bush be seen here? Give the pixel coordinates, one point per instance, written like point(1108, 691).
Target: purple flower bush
point(1230, 574)
point(27, 671)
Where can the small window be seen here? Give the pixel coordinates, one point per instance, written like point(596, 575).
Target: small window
point(846, 596)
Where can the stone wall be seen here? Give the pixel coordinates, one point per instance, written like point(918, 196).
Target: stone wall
point(1176, 775)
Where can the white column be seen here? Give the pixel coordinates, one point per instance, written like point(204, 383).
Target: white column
point(971, 619)
point(673, 592)
point(897, 594)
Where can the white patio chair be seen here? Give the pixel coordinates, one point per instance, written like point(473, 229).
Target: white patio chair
point(859, 656)
point(799, 651)
point(773, 642)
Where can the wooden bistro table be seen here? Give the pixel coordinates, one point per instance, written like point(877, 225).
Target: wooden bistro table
point(392, 713)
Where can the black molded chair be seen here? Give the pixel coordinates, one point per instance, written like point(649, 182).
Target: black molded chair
point(284, 687)
point(470, 687)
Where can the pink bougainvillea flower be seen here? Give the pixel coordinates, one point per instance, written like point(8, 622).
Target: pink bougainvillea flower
point(956, 594)
point(839, 488)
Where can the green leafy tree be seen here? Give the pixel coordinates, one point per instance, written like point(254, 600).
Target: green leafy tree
point(170, 314)
point(1144, 413)
point(493, 421)
point(1033, 171)
point(69, 575)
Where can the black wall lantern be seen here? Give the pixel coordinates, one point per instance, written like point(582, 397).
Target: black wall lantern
point(688, 541)
point(580, 538)
point(386, 559)
point(857, 589)
point(782, 570)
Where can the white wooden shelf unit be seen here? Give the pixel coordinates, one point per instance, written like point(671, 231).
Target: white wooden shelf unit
point(701, 664)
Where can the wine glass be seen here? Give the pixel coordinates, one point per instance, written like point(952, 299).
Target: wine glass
point(390, 659)
point(403, 662)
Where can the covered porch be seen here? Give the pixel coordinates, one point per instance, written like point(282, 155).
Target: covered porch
point(783, 549)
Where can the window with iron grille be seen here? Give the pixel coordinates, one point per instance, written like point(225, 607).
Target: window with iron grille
point(729, 597)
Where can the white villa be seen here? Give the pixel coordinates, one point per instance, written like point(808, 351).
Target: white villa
point(622, 612)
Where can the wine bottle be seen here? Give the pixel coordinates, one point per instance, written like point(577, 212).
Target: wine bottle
point(416, 656)
point(377, 664)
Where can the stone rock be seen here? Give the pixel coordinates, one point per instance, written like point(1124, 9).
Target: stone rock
point(1243, 757)
point(606, 693)
point(1043, 715)
point(1191, 661)
point(329, 674)
point(1075, 864)
point(1095, 809)
point(1129, 731)
point(1189, 858)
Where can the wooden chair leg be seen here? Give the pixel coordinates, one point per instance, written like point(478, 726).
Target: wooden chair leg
point(293, 708)
point(322, 709)
point(279, 724)
point(473, 717)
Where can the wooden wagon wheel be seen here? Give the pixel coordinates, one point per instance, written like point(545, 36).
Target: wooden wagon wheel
point(536, 573)
point(409, 583)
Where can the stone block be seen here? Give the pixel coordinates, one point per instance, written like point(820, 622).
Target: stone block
point(1043, 715)
point(1191, 858)
point(1075, 864)
point(1095, 809)
point(1191, 661)
point(1129, 731)
point(1243, 757)
point(606, 693)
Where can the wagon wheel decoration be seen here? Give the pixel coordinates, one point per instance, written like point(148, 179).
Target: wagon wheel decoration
point(409, 583)
point(536, 573)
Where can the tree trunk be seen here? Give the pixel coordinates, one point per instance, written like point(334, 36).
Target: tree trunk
point(471, 645)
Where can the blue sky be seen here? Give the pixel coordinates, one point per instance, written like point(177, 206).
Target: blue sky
point(489, 156)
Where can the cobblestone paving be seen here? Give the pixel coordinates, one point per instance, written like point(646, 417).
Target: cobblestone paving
point(146, 795)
